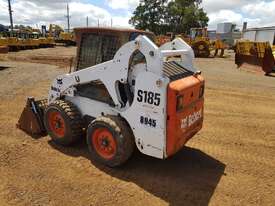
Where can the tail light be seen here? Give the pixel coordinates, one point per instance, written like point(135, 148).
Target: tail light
point(201, 91)
point(179, 102)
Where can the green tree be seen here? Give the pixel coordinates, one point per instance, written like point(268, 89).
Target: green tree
point(149, 15)
point(161, 16)
point(184, 14)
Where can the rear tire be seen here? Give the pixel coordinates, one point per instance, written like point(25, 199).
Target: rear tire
point(201, 49)
point(63, 122)
point(110, 140)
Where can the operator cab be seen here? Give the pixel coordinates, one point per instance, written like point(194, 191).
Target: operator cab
point(97, 45)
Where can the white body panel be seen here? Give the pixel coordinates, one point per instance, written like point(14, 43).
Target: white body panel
point(89, 106)
point(150, 140)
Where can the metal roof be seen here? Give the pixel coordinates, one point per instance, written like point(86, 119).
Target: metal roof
point(261, 28)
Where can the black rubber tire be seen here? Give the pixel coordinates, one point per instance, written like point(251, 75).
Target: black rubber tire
point(122, 134)
point(73, 122)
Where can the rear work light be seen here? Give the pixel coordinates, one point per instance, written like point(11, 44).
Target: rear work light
point(179, 102)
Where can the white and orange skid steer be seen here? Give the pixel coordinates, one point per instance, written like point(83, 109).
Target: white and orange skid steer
point(124, 92)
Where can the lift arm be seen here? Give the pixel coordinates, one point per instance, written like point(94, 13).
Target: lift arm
point(116, 70)
point(109, 73)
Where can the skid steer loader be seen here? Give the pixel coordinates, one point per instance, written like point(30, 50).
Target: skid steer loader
point(124, 92)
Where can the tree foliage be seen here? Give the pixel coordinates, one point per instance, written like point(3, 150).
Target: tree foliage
point(162, 16)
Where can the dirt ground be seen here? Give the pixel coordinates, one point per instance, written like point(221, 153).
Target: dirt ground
point(230, 162)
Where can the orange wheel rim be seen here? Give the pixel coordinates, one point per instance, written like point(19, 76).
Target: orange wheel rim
point(56, 124)
point(104, 143)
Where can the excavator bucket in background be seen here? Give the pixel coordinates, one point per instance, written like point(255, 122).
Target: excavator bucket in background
point(31, 119)
point(256, 54)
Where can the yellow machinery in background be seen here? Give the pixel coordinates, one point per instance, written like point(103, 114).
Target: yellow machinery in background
point(21, 40)
point(218, 45)
point(4, 48)
point(60, 36)
point(162, 39)
point(256, 54)
point(10, 41)
point(45, 42)
point(47, 39)
point(27, 40)
point(3, 41)
point(34, 37)
point(30, 43)
point(201, 43)
point(66, 38)
point(13, 43)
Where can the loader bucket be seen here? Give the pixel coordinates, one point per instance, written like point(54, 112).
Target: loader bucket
point(256, 54)
point(31, 119)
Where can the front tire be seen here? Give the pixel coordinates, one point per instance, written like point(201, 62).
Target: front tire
point(110, 141)
point(63, 122)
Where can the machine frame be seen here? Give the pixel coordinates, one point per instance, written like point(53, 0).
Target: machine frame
point(150, 140)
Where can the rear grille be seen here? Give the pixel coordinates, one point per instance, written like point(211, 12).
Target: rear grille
point(175, 71)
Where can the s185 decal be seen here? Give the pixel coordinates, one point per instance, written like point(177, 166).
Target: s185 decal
point(148, 97)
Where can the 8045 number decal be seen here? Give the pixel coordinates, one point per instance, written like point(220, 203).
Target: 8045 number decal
point(148, 97)
point(148, 121)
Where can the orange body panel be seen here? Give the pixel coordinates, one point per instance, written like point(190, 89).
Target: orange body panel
point(184, 123)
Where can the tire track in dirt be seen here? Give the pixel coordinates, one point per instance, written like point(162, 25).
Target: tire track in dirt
point(236, 155)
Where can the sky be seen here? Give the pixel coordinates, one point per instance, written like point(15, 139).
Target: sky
point(39, 12)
